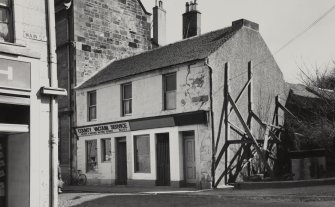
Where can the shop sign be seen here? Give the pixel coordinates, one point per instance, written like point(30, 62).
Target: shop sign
point(14, 74)
point(103, 129)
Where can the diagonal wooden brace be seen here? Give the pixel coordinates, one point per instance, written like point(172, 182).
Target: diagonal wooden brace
point(258, 149)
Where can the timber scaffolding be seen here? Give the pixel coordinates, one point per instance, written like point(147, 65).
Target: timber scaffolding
point(249, 145)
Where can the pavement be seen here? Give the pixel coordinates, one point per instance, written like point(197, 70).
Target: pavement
point(301, 194)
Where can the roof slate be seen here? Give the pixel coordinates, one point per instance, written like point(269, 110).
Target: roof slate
point(195, 48)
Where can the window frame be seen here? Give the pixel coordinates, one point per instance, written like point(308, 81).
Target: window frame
point(124, 100)
point(9, 9)
point(96, 164)
point(165, 92)
point(136, 167)
point(103, 149)
point(90, 106)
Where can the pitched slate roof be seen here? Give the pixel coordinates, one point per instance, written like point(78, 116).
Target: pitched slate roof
point(195, 48)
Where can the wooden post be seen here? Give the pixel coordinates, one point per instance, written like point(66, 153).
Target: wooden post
point(226, 121)
point(276, 111)
point(250, 107)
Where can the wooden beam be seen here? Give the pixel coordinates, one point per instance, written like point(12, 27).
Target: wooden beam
point(223, 150)
point(240, 94)
point(224, 173)
point(258, 149)
point(226, 121)
point(237, 130)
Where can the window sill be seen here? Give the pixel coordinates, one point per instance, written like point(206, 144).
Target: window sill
point(18, 50)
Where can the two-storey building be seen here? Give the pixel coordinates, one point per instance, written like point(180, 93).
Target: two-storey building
point(151, 119)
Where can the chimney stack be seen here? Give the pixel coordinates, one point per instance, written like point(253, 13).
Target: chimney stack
point(159, 27)
point(191, 20)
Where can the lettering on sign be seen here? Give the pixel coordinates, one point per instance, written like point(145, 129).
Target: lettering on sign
point(8, 73)
point(103, 129)
point(14, 74)
point(34, 36)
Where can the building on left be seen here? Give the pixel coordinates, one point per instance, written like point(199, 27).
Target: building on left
point(28, 106)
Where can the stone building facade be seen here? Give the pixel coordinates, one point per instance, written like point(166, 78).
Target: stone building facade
point(25, 143)
point(91, 34)
point(159, 112)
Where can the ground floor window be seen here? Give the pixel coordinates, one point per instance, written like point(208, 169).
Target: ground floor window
point(91, 156)
point(142, 153)
point(106, 150)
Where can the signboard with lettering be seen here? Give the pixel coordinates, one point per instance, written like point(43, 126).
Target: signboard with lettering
point(14, 74)
point(103, 129)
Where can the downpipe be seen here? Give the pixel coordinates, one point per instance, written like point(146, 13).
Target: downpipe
point(52, 65)
point(212, 120)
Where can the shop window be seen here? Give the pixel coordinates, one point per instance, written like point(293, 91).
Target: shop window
point(91, 156)
point(92, 105)
point(169, 87)
point(6, 27)
point(126, 99)
point(142, 153)
point(106, 150)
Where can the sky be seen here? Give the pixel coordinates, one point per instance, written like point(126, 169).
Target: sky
point(279, 21)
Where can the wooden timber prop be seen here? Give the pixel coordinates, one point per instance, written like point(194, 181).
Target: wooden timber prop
point(249, 144)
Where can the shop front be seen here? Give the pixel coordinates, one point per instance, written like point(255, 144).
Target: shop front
point(14, 133)
point(155, 151)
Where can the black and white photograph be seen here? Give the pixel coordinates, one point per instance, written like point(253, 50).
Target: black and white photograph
point(167, 103)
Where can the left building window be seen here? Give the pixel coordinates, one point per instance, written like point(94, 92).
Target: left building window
point(6, 27)
point(92, 105)
point(91, 156)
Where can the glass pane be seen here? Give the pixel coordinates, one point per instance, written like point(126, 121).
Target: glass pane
point(170, 100)
point(127, 93)
point(106, 149)
point(127, 108)
point(170, 82)
point(5, 2)
point(4, 32)
point(91, 156)
point(4, 14)
point(93, 98)
point(142, 153)
point(92, 113)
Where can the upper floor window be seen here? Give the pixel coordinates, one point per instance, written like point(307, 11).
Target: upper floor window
point(169, 87)
point(92, 105)
point(126, 99)
point(6, 27)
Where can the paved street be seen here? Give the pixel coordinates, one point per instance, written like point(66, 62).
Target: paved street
point(318, 196)
point(120, 200)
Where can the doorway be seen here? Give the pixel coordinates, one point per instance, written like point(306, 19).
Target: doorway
point(121, 161)
point(163, 160)
point(189, 158)
point(3, 170)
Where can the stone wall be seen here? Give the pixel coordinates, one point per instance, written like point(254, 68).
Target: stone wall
point(106, 30)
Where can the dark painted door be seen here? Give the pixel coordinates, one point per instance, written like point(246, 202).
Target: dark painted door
point(3, 171)
point(163, 160)
point(121, 162)
point(189, 158)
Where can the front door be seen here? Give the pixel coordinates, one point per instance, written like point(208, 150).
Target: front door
point(121, 161)
point(3, 166)
point(163, 159)
point(189, 158)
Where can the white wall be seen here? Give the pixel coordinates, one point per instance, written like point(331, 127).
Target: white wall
point(107, 170)
point(148, 95)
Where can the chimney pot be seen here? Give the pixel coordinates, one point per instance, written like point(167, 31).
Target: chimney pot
point(191, 6)
point(160, 4)
point(187, 7)
point(156, 2)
